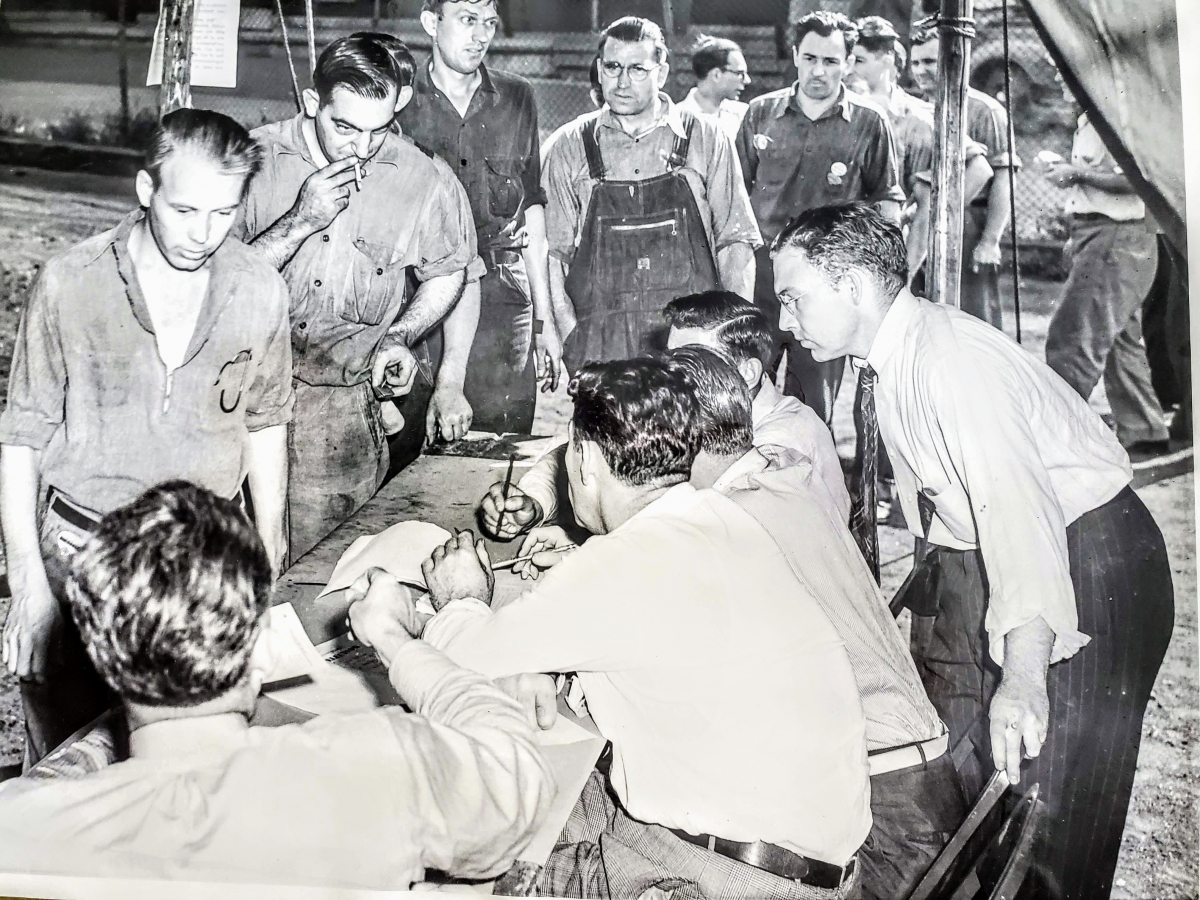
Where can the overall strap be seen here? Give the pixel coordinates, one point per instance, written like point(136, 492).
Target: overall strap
point(591, 148)
point(679, 150)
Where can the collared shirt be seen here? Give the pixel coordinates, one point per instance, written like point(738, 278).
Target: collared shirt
point(725, 691)
point(711, 171)
point(493, 149)
point(987, 124)
point(89, 389)
point(792, 163)
point(728, 116)
point(1089, 152)
point(347, 282)
point(1007, 451)
point(912, 128)
point(827, 561)
point(789, 433)
point(366, 801)
point(785, 430)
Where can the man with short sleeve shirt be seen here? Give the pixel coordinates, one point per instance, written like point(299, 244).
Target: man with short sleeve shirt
point(484, 125)
point(345, 234)
point(153, 351)
point(809, 145)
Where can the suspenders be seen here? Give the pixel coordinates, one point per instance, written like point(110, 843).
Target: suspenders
point(679, 150)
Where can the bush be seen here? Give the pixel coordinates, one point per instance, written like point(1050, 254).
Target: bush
point(76, 126)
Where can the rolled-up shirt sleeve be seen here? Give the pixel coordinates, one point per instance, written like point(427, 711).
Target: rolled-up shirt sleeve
point(541, 482)
point(562, 200)
point(271, 397)
point(445, 239)
point(733, 219)
point(1020, 527)
point(37, 381)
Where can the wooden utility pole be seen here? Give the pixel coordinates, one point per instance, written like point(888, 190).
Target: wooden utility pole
point(176, 90)
point(123, 67)
point(955, 31)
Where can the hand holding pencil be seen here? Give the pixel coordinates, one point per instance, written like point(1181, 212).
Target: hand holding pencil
point(543, 548)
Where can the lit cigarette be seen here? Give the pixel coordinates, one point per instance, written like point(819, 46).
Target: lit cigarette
point(357, 176)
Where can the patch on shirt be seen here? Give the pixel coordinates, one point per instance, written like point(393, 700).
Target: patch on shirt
point(836, 172)
point(761, 141)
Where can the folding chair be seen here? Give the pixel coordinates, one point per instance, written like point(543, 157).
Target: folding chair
point(989, 856)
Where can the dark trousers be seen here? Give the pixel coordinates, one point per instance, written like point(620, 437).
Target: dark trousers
point(815, 383)
point(1123, 590)
point(500, 383)
point(914, 812)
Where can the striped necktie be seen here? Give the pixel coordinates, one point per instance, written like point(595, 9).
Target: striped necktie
point(863, 478)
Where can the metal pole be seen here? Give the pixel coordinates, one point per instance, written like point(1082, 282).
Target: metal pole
point(176, 90)
point(954, 68)
point(123, 67)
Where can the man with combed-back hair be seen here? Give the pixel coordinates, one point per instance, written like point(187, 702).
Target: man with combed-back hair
point(1044, 608)
point(721, 76)
point(155, 350)
point(171, 594)
point(738, 765)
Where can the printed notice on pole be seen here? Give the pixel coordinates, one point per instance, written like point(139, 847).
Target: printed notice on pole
point(214, 45)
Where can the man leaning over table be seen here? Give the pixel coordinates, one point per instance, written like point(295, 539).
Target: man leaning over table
point(171, 595)
point(155, 350)
point(345, 208)
point(676, 607)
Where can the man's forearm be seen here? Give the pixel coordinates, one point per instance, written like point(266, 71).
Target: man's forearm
point(536, 257)
point(434, 299)
point(735, 267)
point(918, 232)
point(976, 175)
point(998, 207)
point(267, 473)
point(458, 334)
point(560, 302)
point(280, 242)
point(1027, 651)
point(1109, 182)
point(19, 488)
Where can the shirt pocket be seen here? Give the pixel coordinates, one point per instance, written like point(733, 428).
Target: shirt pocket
point(775, 163)
point(505, 190)
point(374, 277)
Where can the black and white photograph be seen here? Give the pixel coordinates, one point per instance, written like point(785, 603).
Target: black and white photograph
point(612, 449)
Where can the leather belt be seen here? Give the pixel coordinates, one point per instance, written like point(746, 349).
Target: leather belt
point(881, 762)
point(776, 860)
point(494, 258)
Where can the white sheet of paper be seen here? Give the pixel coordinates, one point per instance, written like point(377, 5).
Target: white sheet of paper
point(399, 549)
point(214, 45)
point(292, 652)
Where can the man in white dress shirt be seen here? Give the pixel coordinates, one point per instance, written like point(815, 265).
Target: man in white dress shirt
point(1048, 605)
point(739, 765)
point(721, 76)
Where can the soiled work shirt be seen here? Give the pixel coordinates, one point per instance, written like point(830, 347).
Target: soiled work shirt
point(347, 282)
point(825, 558)
point(493, 149)
point(711, 171)
point(89, 390)
point(723, 687)
point(366, 801)
point(793, 163)
point(1007, 451)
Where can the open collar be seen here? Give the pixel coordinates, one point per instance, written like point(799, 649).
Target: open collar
point(670, 115)
point(892, 329)
point(842, 103)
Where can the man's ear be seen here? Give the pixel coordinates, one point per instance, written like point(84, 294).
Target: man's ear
point(854, 285)
point(312, 102)
point(144, 185)
point(588, 455)
point(403, 98)
point(429, 20)
point(751, 371)
point(663, 71)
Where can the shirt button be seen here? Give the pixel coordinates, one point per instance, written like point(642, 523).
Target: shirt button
point(463, 162)
point(303, 325)
point(325, 238)
point(379, 271)
point(637, 171)
point(317, 283)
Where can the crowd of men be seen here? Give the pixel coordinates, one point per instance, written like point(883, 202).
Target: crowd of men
point(412, 263)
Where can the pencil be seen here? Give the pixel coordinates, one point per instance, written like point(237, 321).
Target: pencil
point(509, 563)
point(507, 483)
point(357, 176)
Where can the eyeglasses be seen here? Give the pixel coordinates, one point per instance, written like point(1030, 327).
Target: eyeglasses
point(740, 73)
point(636, 71)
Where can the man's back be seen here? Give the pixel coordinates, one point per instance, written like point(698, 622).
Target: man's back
point(725, 690)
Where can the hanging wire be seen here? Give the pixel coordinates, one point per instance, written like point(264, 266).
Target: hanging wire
point(287, 49)
point(1012, 172)
point(312, 36)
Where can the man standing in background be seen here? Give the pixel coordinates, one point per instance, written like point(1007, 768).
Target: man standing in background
point(484, 125)
point(809, 145)
point(721, 76)
point(1097, 327)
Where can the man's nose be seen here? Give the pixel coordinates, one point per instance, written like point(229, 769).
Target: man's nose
point(362, 145)
point(199, 230)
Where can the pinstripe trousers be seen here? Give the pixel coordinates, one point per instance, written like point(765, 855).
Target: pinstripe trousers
point(1123, 591)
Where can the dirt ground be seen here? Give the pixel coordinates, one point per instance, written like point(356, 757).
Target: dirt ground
point(43, 213)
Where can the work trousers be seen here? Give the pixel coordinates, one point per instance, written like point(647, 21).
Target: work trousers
point(1097, 327)
point(914, 813)
point(500, 384)
point(337, 459)
point(604, 853)
point(980, 291)
point(71, 693)
point(1085, 770)
point(815, 383)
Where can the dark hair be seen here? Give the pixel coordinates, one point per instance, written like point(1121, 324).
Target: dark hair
point(825, 23)
point(634, 30)
point(724, 422)
point(368, 63)
point(877, 35)
point(435, 6)
point(741, 328)
point(923, 31)
point(849, 236)
point(712, 53)
point(213, 134)
point(641, 414)
point(596, 91)
point(167, 594)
